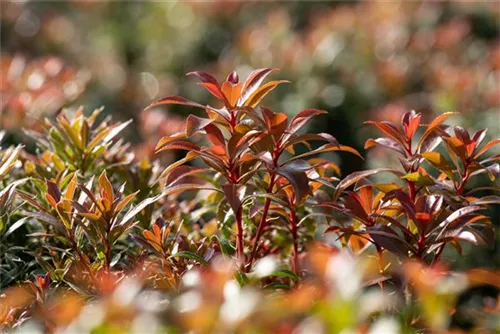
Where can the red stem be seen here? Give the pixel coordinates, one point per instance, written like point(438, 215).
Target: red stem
point(381, 265)
point(295, 254)
point(108, 256)
point(413, 193)
point(262, 224)
point(267, 204)
point(411, 184)
point(464, 178)
point(239, 246)
point(233, 178)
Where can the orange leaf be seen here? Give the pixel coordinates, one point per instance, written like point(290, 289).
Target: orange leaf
point(487, 147)
point(231, 92)
point(254, 99)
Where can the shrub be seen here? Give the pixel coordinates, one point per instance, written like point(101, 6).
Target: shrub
point(233, 235)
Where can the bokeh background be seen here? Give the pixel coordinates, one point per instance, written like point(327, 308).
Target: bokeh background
point(357, 60)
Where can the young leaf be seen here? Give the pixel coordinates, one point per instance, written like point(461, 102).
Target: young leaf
point(210, 83)
point(195, 124)
point(253, 81)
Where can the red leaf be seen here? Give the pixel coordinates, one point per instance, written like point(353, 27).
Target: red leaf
point(479, 136)
point(455, 145)
point(233, 78)
point(302, 118)
point(387, 238)
point(210, 83)
point(231, 191)
point(387, 143)
point(232, 93)
point(254, 99)
point(278, 122)
point(179, 174)
point(168, 139)
point(389, 129)
point(53, 191)
point(487, 147)
point(411, 121)
point(215, 135)
point(462, 134)
point(405, 201)
point(355, 206)
point(294, 139)
point(178, 145)
point(195, 124)
point(238, 143)
point(480, 234)
point(356, 176)
point(253, 81)
point(295, 174)
point(454, 216)
point(175, 100)
point(365, 194)
point(328, 148)
point(432, 127)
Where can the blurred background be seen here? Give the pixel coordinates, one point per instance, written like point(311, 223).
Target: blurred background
point(358, 60)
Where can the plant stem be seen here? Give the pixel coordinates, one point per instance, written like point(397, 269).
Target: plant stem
point(381, 266)
point(464, 178)
point(262, 224)
point(107, 249)
point(411, 186)
point(239, 245)
point(233, 178)
point(267, 204)
point(295, 254)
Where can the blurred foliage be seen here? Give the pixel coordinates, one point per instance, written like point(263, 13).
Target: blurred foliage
point(359, 61)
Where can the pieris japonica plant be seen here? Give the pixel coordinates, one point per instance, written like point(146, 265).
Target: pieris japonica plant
point(430, 203)
point(249, 151)
point(252, 229)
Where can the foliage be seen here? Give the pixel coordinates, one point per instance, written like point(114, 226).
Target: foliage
point(359, 60)
point(33, 89)
point(427, 212)
point(234, 236)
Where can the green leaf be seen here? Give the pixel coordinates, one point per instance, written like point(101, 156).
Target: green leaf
point(9, 160)
point(421, 180)
point(224, 245)
point(285, 273)
point(15, 226)
point(242, 278)
point(439, 162)
point(190, 256)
